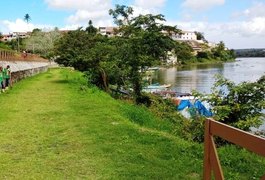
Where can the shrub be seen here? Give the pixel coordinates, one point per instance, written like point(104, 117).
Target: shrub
point(236, 105)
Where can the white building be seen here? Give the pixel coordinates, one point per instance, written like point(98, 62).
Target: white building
point(185, 36)
point(14, 35)
point(106, 31)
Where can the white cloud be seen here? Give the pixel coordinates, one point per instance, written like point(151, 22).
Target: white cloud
point(149, 4)
point(255, 26)
point(21, 26)
point(200, 5)
point(83, 16)
point(70, 27)
point(256, 10)
point(79, 4)
point(137, 10)
point(85, 10)
point(97, 10)
point(18, 26)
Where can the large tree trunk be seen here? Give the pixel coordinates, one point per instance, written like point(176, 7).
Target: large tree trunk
point(137, 87)
point(104, 80)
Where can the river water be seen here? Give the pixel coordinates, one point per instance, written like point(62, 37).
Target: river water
point(201, 77)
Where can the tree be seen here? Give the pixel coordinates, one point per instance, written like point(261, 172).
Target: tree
point(27, 18)
point(222, 53)
point(36, 30)
point(200, 36)
point(91, 29)
point(42, 42)
point(16, 44)
point(86, 52)
point(183, 51)
point(142, 42)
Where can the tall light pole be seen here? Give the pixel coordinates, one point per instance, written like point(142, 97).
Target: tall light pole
point(17, 41)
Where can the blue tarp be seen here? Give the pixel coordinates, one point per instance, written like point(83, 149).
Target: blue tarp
point(202, 109)
point(198, 106)
point(183, 104)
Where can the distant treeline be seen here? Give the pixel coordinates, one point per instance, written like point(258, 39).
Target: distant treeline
point(250, 52)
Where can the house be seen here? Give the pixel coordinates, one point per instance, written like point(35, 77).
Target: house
point(15, 35)
point(107, 31)
point(184, 36)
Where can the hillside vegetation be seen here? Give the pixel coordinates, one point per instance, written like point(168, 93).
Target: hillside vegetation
point(54, 127)
point(250, 52)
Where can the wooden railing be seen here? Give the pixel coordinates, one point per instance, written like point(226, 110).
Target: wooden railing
point(244, 139)
point(6, 55)
point(11, 55)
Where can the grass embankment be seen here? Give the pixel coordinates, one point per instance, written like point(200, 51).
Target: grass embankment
point(53, 127)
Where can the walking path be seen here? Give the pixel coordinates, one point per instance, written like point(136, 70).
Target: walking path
point(54, 127)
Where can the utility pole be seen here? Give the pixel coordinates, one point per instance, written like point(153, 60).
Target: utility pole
point(18, 42)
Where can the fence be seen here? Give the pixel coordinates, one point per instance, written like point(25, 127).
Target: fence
point(211, 163)
point(6, 55)
point(11, 55)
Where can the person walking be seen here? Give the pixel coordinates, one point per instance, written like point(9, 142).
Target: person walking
point(2, 79)
point(7, 76)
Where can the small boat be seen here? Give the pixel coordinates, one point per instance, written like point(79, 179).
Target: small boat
point(156, 88)
point(153, 68)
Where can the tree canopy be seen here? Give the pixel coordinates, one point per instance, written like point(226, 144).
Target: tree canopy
point(42, 42)
point(142, 42)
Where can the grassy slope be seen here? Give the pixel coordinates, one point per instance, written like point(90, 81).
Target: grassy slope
point(51, 128)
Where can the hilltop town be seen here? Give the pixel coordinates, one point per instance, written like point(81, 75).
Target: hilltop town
point(192, 45)
point(193, 38)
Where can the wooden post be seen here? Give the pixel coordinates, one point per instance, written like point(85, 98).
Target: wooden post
point(215, 162)
point(231, 134)
point(206, 162)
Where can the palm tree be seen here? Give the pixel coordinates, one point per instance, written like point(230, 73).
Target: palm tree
point(27, 18)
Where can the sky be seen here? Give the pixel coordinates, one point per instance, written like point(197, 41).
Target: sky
point(239, 23)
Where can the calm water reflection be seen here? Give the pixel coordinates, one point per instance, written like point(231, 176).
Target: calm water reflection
point(201, 77)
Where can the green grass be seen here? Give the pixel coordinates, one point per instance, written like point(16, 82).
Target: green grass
point(53, 127)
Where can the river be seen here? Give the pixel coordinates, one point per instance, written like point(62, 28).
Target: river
point(201, 77)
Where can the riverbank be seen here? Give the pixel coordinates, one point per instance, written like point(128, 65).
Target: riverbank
point(54, 127)
point(205, 61)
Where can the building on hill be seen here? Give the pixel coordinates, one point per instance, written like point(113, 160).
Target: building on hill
point(107, 31)
point(15, 35)
point(185, 36)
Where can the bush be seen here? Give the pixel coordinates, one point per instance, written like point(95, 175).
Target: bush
point(236, 105)
point(193, 129)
